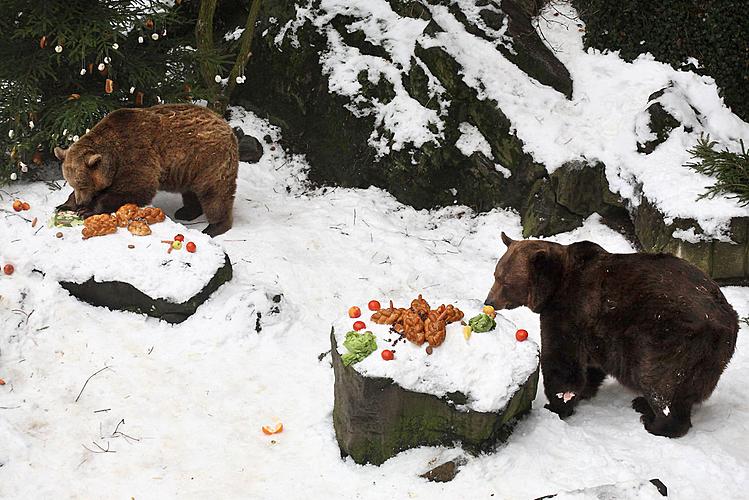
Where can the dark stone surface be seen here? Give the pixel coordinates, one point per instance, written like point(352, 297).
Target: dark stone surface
point(374, 419)
point(250, 149)
point(445, 472)
point(531, 54)
point(121, 296)
point(661, 123)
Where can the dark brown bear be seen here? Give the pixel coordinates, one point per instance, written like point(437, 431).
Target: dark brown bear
point(132, 153)
point(656, 323)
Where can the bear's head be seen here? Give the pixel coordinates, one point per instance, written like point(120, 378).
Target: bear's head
point(87, 170)
point(528, 274)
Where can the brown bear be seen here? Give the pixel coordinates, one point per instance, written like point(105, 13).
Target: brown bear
point(132, 153)
point(656, 323)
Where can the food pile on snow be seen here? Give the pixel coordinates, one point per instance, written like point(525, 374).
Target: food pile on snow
point(136, 256)
point(419, 322)
point(488, 367)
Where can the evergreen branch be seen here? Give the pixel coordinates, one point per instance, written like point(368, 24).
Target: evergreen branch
point(730, 170)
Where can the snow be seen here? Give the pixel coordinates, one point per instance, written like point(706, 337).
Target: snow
point(471, 140)
point(457, 364)
point(175, 276)
point(688, 235)
point(631, 490)
point(195, 395)
point(603, 121)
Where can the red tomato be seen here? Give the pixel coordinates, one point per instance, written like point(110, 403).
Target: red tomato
point(354, 312)
point(8, 269)
point(359, 325)
point(374, 305)
point(190, 247)
point(179, 237)
point(521, 335)
point(387, 355)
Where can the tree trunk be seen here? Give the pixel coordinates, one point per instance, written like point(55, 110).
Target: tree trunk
point(204, 43)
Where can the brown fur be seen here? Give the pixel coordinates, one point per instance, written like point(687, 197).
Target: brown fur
point(656, 323)
point(132, 153)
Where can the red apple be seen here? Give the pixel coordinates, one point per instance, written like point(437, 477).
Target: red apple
point(521, 335)
point(387, 355)
point(374, 305)
point(354, 312)
point(190, 247)
point(359, 325)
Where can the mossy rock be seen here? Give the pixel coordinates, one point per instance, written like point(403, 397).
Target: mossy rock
point(117, 295)
point(543, 216)
point(375, 419)
point(725, 262)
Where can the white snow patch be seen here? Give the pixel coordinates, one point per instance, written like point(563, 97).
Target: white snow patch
point(488, 368)
point(471, 140)
point(689, 235)
point(234, 35)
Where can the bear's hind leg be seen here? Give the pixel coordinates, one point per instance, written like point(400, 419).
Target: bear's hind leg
point(191, 209)
point(593, 379)
point(218, 211)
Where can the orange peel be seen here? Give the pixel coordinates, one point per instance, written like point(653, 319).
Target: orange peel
point(273, 429)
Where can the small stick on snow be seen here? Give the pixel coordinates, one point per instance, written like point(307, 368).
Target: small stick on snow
point(86, 382)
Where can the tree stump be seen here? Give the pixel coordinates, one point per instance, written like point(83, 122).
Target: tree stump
point(375, 418)
point(121, 296)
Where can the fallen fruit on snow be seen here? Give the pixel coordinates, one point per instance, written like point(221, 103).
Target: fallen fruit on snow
point(273, 429)
point(2, 382)
point(387, 355)
point(467, 330)
point(8, 269)
point(354, 312)
point(374, 305)
point(25, 206)
point(179, 237)
point(359, 325)
point(521, 335)
point(17, 205)
point(190, 247)
point(489, 311)
point(177, 245)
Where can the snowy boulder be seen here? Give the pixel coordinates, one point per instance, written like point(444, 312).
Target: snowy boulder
point(468, 391)
point(668, 109)
point(134, 273)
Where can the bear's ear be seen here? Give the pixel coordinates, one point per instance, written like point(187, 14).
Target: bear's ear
point(506, 239)
point(545, 277)
point(93, 160)
point(60, 153)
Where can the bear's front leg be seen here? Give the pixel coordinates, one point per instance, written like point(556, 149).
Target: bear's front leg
point(69, 204)
point(564, 374)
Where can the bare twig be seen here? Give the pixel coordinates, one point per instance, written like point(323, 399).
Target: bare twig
point(89, 378)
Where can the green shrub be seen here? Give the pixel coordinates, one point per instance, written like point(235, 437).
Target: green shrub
point(715, 32)
point(731, 170)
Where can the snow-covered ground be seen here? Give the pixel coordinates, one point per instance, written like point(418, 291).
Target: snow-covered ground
point(180, 407)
